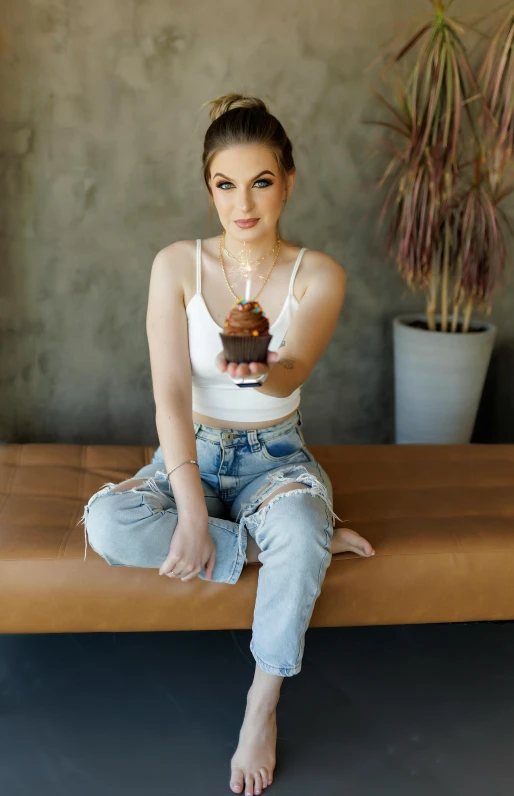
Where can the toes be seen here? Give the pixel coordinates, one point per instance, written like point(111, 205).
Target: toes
point(237, 780)
point(249, 785)
point(363, 550)
point(366, 547)
point(361, 546)
point(352, 542)
point(257, 785)
point(265, 778)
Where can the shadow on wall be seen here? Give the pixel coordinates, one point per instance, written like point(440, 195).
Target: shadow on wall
point(495, 420)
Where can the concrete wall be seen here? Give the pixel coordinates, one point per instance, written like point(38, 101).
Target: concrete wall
point(100, 144)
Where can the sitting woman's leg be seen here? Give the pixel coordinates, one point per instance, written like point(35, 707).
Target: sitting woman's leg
point(294, 531)
point(132, 523)
point(293, 528)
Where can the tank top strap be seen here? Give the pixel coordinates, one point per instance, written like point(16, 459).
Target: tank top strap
point(295, 269)
point(198, 265)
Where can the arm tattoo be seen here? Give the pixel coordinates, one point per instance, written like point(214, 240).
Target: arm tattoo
point(287, 363)
point(282, 343)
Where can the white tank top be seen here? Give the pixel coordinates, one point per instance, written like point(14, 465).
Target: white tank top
point(214, 392)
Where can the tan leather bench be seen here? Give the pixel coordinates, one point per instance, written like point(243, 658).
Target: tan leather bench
point(441, 519)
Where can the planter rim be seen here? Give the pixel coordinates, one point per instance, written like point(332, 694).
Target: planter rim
point(404, 320)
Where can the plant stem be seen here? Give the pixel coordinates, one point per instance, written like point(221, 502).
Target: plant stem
point(467, 315)
point(444, 286)
point(457, 297)
point(432, 296)
point(455, 316)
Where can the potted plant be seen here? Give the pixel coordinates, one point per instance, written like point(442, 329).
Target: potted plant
point(449, 143)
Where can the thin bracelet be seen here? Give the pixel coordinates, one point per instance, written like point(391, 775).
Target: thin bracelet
point(189, 461)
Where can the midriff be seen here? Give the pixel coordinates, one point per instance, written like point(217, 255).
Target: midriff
point(239, 426)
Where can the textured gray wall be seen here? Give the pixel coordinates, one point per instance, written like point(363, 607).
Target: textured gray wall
point(100, 149)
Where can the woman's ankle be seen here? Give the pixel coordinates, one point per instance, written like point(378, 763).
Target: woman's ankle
point(262, 702)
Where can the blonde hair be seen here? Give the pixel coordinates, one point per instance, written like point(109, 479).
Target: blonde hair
point(238, 119)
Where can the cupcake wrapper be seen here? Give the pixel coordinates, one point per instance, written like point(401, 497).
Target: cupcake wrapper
point(245, 348)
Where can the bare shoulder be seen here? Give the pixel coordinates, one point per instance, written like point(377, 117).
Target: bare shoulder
point(177, 254)
point(172, 264)
point(320, 268)
point(316, 261)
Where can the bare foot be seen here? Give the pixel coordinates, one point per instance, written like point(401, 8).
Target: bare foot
point(344, 540)
point(254, 760)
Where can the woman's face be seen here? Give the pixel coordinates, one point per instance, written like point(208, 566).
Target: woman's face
point(245, 183)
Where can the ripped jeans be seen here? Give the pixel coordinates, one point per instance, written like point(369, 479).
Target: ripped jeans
point(239, 470)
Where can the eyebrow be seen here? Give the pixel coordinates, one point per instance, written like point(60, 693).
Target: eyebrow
point(258, 175)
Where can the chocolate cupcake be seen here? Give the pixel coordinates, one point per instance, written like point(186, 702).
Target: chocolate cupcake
point(246, 336)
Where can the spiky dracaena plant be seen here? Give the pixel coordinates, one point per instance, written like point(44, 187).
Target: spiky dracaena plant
point(450, 167)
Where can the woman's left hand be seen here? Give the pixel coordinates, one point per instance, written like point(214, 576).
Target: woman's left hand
point(238, 370)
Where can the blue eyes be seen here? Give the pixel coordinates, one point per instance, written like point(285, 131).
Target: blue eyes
point(266, 183)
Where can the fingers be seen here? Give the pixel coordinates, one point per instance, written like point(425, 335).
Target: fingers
point(168, 566)
point(257, 368)
point(190, 576)
point(221, 362)
point(209, 567)
point(180, 575)
point(238, 370)
point(185, 577)
point(172, 570)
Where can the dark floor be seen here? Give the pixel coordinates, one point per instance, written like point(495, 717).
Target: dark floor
point(413, 710)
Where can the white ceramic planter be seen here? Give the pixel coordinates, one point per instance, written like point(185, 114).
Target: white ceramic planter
point(439, 378)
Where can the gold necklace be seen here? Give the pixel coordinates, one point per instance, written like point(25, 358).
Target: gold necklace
point(220, 257)
point(246, 261)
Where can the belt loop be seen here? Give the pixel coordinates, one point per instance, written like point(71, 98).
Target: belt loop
point(254, 440)
point(300, 418)
point(196, 425)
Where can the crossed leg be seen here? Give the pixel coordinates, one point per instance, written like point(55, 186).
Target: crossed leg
point(344, 539)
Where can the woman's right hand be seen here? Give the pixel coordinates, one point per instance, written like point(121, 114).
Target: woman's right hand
point(191, 549)
point(239, 370)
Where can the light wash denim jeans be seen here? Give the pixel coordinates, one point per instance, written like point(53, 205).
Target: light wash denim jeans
point(239, 470)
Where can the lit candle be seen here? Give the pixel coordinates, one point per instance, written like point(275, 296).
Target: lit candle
point(248, 288)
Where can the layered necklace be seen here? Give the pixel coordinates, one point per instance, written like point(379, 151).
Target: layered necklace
point(245, 264)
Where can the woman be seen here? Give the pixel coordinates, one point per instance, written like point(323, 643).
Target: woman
point(255, 493)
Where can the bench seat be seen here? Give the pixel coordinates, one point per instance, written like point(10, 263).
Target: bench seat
point(440, 517)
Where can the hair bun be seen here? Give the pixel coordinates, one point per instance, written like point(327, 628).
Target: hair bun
point(228, 102)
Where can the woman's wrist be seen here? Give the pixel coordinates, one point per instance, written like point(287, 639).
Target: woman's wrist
point(195, 524)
